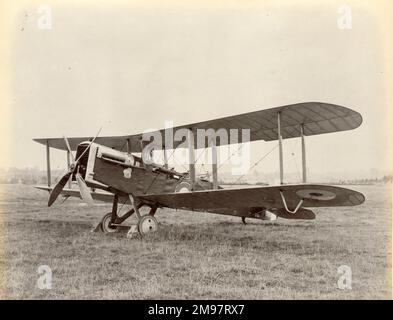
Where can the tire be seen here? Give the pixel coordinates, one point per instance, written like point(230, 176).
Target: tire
point(105, 224)
point(183, 186)
point(147, 224)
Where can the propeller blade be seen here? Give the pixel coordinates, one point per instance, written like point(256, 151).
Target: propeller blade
point(58, 188)
point(91, 142)
point(84, 190)
point(69, 149)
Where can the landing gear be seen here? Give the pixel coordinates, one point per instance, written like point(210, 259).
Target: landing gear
point(106, 225)
point(111, 222)
point(147, 224)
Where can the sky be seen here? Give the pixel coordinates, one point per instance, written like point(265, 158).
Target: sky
point(130, 68)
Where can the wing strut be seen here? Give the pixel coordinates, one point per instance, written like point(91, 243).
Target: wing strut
point(68, 166)
point(281, 157)
point(166, 165)
point(48, 174)
point(191, 159)
point(214, 162)
point(128, 144)
point(280, 148)
point(304, 167)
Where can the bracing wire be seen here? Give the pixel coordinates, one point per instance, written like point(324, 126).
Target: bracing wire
point(256, 163)
point(230, 156)
point(171, 155)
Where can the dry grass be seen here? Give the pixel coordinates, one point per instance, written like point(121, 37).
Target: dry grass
point(194, 255)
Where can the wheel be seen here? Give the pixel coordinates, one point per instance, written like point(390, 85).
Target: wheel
point(183, 186)
point(105, 224)
point(147, 224)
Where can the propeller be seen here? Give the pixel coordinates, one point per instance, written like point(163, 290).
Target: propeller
point(84, 189)
point(74, 168)
point(58, 188)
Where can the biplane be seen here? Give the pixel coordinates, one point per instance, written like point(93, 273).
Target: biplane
point(108, 169)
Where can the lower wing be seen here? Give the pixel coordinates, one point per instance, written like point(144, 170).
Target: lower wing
point(287, 201)
point(288, 197)
point(101, 196)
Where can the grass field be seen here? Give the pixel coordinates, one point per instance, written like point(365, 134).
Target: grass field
point(194, 255)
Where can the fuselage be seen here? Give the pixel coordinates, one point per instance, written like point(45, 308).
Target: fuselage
point(124, 174)
point(106, 168)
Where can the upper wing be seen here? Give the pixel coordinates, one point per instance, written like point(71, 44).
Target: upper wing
point(316, 117)
point(267, 197)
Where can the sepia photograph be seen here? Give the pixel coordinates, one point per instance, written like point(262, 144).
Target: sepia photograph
point(196, 150)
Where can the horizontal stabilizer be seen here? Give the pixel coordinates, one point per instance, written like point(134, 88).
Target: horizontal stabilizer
point(301, 214)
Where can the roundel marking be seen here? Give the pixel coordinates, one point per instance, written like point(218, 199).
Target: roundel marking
point(316, 194)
